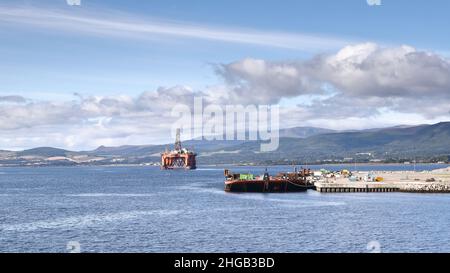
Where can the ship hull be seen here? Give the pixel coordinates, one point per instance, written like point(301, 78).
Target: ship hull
point(178, 168)
point(264, 186)
point(174, 161)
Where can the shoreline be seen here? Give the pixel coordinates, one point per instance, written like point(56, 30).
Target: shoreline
point(435, 180)
point(227, 165)
point(235, 165)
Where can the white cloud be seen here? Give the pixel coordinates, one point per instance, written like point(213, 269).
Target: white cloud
point(358, 80)
point(368, 70)
point(91, 121)
point(259, 81)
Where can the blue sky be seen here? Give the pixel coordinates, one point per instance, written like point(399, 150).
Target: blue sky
point(389, 57)
point(33, 58)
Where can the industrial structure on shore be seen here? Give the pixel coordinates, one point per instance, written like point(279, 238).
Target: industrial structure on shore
point(437, 181)
point(178, 158)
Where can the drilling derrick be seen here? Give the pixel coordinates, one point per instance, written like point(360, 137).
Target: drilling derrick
point(178, 141)
point(179, 158)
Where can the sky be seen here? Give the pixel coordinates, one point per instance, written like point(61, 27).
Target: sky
point(109, 72)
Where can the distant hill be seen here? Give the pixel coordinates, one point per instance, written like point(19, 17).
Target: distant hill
point(301, 144)
point(409, 142)
point(44, 152)
point(304, 132)
point(154, 150)
point(128, 150)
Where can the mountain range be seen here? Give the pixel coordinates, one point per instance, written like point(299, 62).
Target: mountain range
point(300, 144)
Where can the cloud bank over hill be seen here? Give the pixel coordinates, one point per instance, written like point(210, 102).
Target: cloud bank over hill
point(360, 86)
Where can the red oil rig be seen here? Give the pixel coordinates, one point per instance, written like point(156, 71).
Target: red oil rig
point(179, 158)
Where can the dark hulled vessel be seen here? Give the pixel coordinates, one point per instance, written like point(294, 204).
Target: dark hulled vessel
point(283, 182)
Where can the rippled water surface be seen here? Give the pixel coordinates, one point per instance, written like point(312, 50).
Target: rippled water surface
point(143, 209)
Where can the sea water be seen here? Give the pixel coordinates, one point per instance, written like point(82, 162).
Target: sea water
point(144, 209)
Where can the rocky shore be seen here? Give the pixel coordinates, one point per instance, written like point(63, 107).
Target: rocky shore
point(430, 187)
point(436, 181)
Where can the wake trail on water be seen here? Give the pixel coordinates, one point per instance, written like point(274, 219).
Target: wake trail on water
point(261, 197)
point(111, 195)
point(290, 202)
point(202, 189)
point(84, 221)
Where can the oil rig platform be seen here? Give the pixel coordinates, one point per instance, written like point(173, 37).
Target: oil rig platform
point(179, 158)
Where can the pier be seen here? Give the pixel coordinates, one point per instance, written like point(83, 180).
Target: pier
point(356, 187)
point(436, 181)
